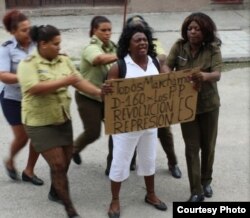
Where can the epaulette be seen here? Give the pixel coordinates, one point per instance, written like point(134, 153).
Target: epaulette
point(113, 44)
point(29, 58)
point(63, 54)
point(7, 43)
point(93, 41)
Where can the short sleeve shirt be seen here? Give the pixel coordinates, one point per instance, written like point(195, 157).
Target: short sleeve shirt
point(1, 87)
point(209, 59)
point(51, 108)
point(11, 53)
point(96, 74)
point(158, 47)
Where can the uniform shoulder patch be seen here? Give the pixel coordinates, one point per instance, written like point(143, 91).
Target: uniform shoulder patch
point(93, 41)
point(63, 54)
point(29, 58)
point(7, 43)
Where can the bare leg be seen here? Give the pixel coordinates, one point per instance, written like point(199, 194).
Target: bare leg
point(58, 160)
point(32, 159)
point(68, 155)
point(149, 182)
point(115, 204)
point(19, 141)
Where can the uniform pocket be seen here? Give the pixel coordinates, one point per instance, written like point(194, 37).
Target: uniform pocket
point(182, 61)
point(45, 77)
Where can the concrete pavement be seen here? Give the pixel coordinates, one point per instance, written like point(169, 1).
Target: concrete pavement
point(90, 188)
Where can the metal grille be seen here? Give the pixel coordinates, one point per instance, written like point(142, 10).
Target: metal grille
point(39, 3)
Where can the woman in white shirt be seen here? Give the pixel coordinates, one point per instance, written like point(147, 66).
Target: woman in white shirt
point(135, 46)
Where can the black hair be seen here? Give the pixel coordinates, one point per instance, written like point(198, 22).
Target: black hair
point(206, 24)
point(138, 20)
point(12, 18)
point(95, 22)
point(127, 34)
point(43, 33)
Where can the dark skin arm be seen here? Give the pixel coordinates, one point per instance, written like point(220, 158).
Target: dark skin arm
point(163, 63)
point(206, 77)
point(104, 59)
point(8, 78)
point(85, 86)
point(200, 77)
point(46, 87)
point(113, 72)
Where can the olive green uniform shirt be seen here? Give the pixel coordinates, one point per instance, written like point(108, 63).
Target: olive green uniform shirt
point(51, 108)
point(208, 59)
point(96, 74)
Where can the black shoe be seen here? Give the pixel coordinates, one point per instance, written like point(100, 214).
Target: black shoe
point(77, 158)
point(132, 166)
point(208, 192)
point(74, 216)
point(107, 172)
point(114, 214)
point(175, 171)
point(196, 198)
point(55, 198)
point(34, 179)
point(12, 173)
point(159, 206)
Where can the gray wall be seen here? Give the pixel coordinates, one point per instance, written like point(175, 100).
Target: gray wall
point(168, 5)
point(2, 8)
point(134, 6)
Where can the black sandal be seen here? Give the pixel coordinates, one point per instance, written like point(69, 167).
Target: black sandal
point(160, 205)
point(111, 213)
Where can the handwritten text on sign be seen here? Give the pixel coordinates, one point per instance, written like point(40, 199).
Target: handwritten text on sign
point(149, 102)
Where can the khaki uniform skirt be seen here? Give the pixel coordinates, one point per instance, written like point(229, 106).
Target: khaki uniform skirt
point(44, 138)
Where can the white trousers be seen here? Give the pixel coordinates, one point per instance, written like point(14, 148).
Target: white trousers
point(145, 142)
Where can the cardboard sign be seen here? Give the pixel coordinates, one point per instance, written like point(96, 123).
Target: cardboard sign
point(150, 102)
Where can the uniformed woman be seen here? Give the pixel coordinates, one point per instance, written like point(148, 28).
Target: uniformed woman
point(44, 77)
point(11, 53)
point(96, 60)
point(200, 47)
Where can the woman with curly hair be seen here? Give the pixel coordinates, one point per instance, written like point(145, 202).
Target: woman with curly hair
point(136, 48)
point(165, 134)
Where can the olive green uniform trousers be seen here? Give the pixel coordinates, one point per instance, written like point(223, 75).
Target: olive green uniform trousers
point(200, 139)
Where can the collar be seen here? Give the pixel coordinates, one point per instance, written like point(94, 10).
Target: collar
point(17, 45)
point(108, 48)
point(129, 60)
point(186, 46)
point(45, 61)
